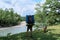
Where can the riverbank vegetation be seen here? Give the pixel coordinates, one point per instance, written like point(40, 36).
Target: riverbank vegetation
point(9, 18)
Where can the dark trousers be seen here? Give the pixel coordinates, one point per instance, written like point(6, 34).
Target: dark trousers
point(29, 27)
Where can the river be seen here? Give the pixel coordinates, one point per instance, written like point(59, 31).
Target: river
point(13, 30)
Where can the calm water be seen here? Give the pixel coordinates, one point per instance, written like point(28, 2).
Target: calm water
point(14, 30)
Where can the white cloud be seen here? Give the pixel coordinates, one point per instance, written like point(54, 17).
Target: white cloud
point(22, 7)
point(42, 2)
point(4, 5)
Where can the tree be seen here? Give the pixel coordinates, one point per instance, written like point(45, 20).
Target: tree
point(9, 18)
point(48, 13)
point(52, 8)
point(41, 17)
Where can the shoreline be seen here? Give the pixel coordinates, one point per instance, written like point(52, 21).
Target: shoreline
point(19, 25)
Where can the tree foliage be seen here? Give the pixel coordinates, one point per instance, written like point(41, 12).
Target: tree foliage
point(49, 12)
point(8, 17)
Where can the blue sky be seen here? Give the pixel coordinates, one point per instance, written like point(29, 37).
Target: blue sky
point(22, 7)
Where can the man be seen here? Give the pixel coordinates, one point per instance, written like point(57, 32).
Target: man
point(30, 23)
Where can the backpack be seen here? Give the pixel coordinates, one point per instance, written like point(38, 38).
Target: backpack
point(30, 19)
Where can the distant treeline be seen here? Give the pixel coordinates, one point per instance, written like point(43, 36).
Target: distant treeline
point(9, 18)
point(23, 18)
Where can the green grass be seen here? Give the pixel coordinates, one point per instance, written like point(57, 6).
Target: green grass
point(52, 34)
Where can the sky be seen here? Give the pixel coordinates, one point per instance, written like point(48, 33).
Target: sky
point(22, 7)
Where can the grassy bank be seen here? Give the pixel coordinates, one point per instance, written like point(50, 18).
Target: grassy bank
point(52, 34)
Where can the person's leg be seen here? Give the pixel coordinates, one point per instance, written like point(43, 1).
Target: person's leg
point(31, 30)
point(27, 30)
point(29, 27)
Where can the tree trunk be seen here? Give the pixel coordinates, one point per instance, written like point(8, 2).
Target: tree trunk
point(45, 29)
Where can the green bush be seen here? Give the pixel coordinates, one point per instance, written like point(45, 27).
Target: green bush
point(9, 18)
